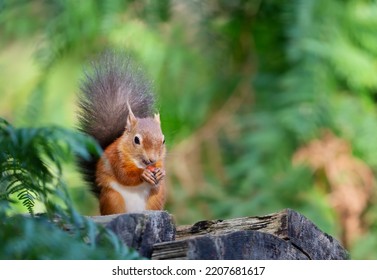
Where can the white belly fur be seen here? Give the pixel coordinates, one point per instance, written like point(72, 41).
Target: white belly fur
point(134, 197)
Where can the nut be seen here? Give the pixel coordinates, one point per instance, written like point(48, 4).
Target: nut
point(151, 168)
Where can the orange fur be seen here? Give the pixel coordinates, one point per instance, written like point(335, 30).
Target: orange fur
point(156, 200)
point(117, 165)
point(111, 202)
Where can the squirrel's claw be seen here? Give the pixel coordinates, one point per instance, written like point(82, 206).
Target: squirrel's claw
point(154, 177)
point(159, 174)
point(149, 177)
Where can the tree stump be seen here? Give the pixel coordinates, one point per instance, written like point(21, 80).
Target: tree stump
point(284, 235)
point(140, 230)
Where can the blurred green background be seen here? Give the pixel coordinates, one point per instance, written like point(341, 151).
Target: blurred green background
point(264, 104)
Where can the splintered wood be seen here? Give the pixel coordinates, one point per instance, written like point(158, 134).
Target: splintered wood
point(283, 235)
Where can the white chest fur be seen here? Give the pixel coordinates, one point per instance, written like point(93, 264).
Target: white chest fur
point(134, 197)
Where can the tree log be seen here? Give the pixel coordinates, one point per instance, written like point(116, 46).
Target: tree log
point(283, 235)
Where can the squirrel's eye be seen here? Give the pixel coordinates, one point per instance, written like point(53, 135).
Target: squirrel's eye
point(137, 140)
point(163, 141)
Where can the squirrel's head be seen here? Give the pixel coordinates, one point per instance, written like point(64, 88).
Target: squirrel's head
point(143, 139)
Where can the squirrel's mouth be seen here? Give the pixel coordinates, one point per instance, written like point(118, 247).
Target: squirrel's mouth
point(140, 163)
point(145, 162)
point(148, 162)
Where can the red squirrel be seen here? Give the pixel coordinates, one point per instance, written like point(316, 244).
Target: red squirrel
point(116, 107)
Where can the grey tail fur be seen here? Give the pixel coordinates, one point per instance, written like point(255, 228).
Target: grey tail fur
point(109, 83)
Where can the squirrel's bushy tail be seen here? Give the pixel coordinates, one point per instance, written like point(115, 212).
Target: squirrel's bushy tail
point(109, 83)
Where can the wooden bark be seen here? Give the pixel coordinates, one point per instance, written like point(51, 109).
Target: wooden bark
point(140, 230)
point(283, 235)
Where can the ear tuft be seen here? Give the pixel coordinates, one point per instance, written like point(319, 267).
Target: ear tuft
point(157, 117)
point(131, 119)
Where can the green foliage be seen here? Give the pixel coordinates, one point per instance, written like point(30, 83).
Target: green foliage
point(31, 167)
point(31, 160)
point(25, 237)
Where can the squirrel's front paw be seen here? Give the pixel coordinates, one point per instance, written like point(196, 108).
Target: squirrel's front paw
point(153, 176)
point(159, 174)
point(148, 176)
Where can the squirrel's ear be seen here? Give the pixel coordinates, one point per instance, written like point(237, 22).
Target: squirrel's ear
point(131, 119)
point(157, 117)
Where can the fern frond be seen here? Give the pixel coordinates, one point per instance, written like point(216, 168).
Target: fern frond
point(27, 198)
point(31, 160)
